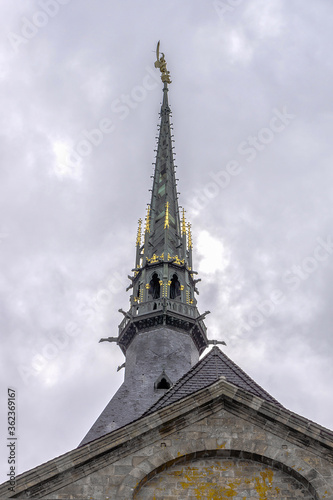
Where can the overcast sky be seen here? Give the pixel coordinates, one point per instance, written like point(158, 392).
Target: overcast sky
point(251, 97)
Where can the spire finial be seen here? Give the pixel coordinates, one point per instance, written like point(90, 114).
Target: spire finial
point(147, 227)
point(161, 63)
point(138, 237)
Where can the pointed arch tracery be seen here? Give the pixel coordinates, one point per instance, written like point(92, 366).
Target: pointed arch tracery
point(154, 287)
point(174, 287)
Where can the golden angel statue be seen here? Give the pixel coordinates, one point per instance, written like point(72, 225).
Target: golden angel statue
point(161, 63)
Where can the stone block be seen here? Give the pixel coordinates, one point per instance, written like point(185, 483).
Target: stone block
point(136, 460)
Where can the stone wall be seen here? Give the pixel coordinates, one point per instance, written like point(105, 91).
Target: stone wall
point(211, 478)
point(230, 452)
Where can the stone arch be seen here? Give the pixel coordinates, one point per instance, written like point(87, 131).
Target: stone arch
point(139, 287)
point(154, 285)
point(222, 454)
point(174, 287)
point(151, 273)
point(166, 459)
point(163, 382)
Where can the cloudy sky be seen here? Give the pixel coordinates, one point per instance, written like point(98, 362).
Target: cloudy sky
point(252, 110)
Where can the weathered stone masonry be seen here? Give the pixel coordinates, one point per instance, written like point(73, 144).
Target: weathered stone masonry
point(217, 443)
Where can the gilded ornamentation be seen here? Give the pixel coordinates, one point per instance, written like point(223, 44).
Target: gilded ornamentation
point(154, 259)
point(161, 63)
point(147, 219)
point(189, 235)
point(176, 260)
point(138, 237)
point(164, 289)
point(166, 220)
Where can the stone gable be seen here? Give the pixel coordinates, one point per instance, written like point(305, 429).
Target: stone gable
point(218, 443)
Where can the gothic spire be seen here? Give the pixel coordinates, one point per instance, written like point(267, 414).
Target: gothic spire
point(163, 283)
point(165, 233)
point(162, 334)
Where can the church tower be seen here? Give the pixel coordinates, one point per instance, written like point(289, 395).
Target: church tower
point(162, 334)
point(180, 427)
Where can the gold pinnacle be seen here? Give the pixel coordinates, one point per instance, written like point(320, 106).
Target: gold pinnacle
point(183, 223)
point(189, 235)
point(138, 238)
point(147, 227)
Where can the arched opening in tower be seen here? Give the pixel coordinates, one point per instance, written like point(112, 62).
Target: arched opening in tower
point(155, 288)
point(174, 287)
point(163, 384)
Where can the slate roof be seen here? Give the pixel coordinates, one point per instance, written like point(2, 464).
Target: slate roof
point(164, 192)
point(208, 370)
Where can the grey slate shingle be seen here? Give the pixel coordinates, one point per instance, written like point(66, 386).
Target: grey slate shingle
point(207, 371)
